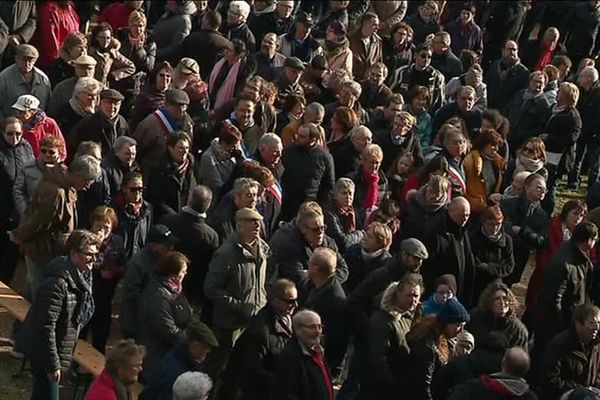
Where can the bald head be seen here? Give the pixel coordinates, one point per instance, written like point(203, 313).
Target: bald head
point(200, 199)
point(459, 211)
point(515, 362)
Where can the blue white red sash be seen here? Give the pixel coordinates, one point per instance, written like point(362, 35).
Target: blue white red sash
point(165, 120)
point(275, 190)
point(457, 177)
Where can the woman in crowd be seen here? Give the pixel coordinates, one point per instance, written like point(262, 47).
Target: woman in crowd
point(133, 212)
point(337, 48)
point(432, 345)
point(120, 373)
point(473, 78)
point(455, 147)
point(399, 172)
point(74, 45)
point(429, 200)
point(444, 289)
point(289, 118)
point(164, 311)
point(152, 94)
point(531, 157)
point(82, 104)
point(483, 168)
point(187, 78)
point(398, 48)
point(111, 65)
point(344, 221)
point(493, 119)
point(560, 230)
point(417, 99)
point(560, 134)
point(437, 166)
point(170, 184)
point(31, 174)
point(497, 312)
point(371, 184)
point(492, 249)
point(342, 122)
point(107, 271)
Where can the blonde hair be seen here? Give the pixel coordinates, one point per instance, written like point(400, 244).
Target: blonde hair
point(372, 151)
point(382, 233)
point(407, 117)
point(307, 211)
point(571, 93)
point(136, 17)
point(343, 183)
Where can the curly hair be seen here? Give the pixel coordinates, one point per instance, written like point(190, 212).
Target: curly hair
point(486, 299)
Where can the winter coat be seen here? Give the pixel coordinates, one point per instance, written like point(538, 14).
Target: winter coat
point(61, 94)
point(415, 218)
point(472, 119)
point(533, 50)
point(201, 242)
point(50, 217)
point(337, 231)
point(527, 118)
point(289, 48)
point(297, 375)
point(497, 386)
point(567, 281)
point(563, 129)
point(392, 57)
point(18, 18)
point(241, 32)
point(448, 64)
point(50, 328)
point(26, 183)
point(67, 119)
point(581, 30)
point(361, 189)
point(483, 323)
point(450, 253)
point(115, 171)
point(55, 24)
point(168, 192)
point(253, 363)
point(133, 228)
point(12, 162)
point(270, 22)
point(138, 271)
point(236, 283)
point(308, 175)
point(213, 45)
point(151, 136)
point(360, 266)
point(46, 126)
point(146, 102)
point(170, 30)
point(104, 387)
point(361, 60)
point(329, 301)
point(371, 98)
point(111, 65)
point(403, 79)
point(493, 259)
point(340, 58)
point(567, 365)
point(144, 57)
point(390, 13)
point(477, 193)
point(216, 166)
point(12, 85)
point(421, 28)
point(411, 144)
point(424, 363)
point(290, 255)
point(164, 313)
point(481, 96)
point(268, 68)
point(97, 128)
point(363, 300)
point(116, 15)
point(60, 70)
point(222, 217)
point(503, 86)
point(588, 108)
point(464, 38)
point(96, 195)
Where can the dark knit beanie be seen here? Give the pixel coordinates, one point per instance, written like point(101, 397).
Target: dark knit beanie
point(453, 312)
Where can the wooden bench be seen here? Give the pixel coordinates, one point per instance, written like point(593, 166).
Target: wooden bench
point(89, 359)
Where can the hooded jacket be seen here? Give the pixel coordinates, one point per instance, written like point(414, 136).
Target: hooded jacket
point(111, 65)
point(12, 162)
point(498, 386)
point(171, 28)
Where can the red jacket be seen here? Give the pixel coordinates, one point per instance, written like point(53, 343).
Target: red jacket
point(54, 25)
point(117, 15)
point(103, 388)
point(47, 126)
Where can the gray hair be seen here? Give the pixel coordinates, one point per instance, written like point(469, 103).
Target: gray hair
point(360, 130)
point(354, 87)
point(122, 141)
point(240, 185)
point(86, 83)
point(336, 78)
point(590, 72)
point(86, 167)
point(552, 31)
point(343, 183)
point(192, 385)
point(445, 36)
point(315, 109)
point(468, 89)
point(269, 140)
point(301, 317)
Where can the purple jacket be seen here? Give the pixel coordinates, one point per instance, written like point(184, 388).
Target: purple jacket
point(469, 39)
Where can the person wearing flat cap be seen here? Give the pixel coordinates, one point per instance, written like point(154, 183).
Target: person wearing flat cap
point(431, 341)
point(23, 77)
point(187, 78)
point(268, 59)
point(278, 21)
point(105, 125)
point(288, 81)
point(36, 124)
point(299, 42)
point(235, 283)
point(84, 66)
point(188, 355)
point(151, 134)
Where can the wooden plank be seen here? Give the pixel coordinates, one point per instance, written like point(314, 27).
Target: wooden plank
point(88, 358)
point(14, 303)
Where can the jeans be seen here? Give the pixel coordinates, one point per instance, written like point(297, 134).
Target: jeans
point(580, 153)
point(103, 291)
point(42, 388)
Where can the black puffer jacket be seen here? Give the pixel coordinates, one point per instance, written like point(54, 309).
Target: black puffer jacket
point(98, 129)
point(416, 216)
point(527, 118)
point(168, 191)
point(563, 130)
point(12, 160)
point(482, 323)
point(290, 254)
point(165, 313)
point(115, 171)
point(50, 328)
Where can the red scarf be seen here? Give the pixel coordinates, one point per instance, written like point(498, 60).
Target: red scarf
point(372, 196)
point(544, 59)
point(348, 218)
point(317, 357)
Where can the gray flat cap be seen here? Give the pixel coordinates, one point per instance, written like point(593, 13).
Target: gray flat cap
point(414, 247)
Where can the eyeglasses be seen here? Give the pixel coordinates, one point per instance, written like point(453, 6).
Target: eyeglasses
point(136, 189)
point(317, 229)
point(13, 133)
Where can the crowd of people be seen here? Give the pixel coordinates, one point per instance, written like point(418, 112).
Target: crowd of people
point(304, 200)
